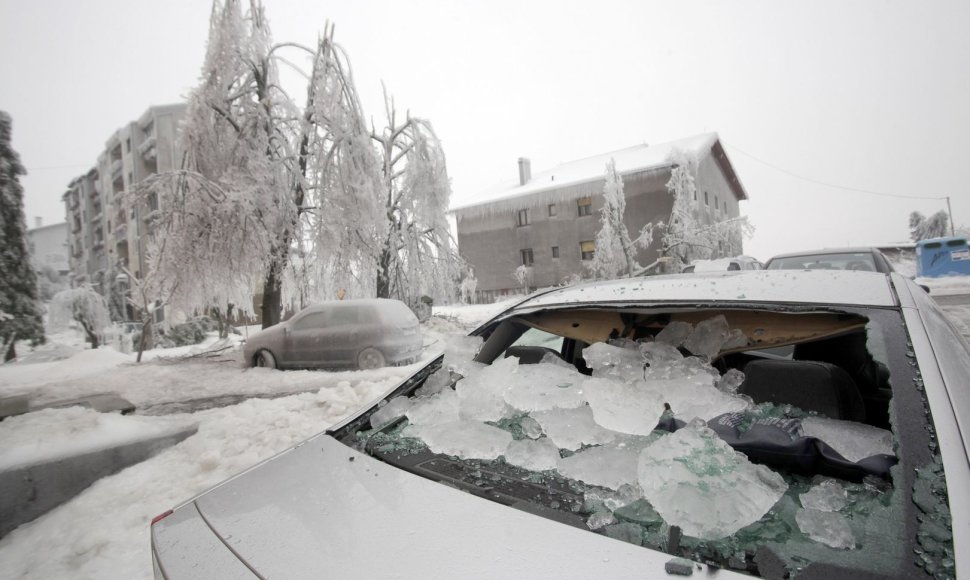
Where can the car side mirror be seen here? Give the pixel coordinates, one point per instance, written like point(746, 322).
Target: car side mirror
point(925, 288)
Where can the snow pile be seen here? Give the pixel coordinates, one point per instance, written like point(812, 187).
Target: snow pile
point(52, 434)
point(699, 483)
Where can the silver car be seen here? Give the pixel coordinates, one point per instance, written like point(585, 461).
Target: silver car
point(365, 334)
point(631, 429)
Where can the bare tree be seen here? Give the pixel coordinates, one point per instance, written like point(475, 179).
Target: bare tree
point(924, 228)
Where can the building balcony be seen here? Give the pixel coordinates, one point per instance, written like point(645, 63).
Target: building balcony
point(116, 168)
point(147, 148)
point(98, 244)
point(97, 216)
point(75, 201)
point(121, 233)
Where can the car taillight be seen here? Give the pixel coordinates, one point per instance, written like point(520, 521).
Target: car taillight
point(161, 516)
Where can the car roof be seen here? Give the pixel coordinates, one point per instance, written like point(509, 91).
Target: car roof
point(350, 302)
point(813, 287)
point(827, 251)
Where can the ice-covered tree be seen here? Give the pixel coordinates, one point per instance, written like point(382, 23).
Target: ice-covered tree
point(417, 255)
point(924, 228)
point(616, 252)
point(297, 203)
point(229, 215)
point(523, 275)
point(18, 281)
point(688, 234)
point(83, 305)
point(467, 288)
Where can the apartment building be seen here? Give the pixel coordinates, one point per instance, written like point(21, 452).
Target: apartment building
point(549, 221)
point(106, 230)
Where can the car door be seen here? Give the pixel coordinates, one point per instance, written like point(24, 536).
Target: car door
point(304, 339)
point(339, 337)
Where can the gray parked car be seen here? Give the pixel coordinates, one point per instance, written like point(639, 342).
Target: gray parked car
point(366, 334)
point(631, 429)
point(863, 259)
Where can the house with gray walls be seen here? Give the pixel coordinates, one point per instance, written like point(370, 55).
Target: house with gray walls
point(548, 220)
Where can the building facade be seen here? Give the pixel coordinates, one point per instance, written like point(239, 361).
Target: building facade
point(107, 231)
point(549, 221)
point(48, 247)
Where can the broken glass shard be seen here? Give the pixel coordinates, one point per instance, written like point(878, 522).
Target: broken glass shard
point(395, 408)
point(530, 428)
point(660, 353)
point(854, 441)
point(600, 519)
point(829, 528)
point(697, 482)
point(827, 496)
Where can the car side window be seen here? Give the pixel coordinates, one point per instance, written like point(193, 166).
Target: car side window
point(344, 315)
point(311, 321)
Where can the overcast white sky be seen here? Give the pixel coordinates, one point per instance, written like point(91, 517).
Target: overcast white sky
point(873, 95)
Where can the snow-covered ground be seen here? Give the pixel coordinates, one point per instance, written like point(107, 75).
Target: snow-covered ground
point(104, 531)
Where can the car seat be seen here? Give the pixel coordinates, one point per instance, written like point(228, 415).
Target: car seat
point(808, 385)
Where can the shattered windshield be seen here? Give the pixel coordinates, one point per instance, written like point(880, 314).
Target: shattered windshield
point(753, 440)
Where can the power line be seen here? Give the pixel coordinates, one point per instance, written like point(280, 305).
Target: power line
point(833, 185)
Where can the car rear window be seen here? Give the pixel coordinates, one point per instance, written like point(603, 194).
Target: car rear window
point(396, 313)
point(848, 261)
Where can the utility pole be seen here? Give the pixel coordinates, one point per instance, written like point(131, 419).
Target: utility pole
point(949, 210)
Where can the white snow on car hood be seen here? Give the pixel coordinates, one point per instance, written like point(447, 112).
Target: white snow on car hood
point(327, 510)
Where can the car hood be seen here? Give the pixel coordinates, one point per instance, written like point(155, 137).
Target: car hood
point(324, 509)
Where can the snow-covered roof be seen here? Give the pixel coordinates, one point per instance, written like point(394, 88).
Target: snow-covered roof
point(784, 286)
point(582, 177)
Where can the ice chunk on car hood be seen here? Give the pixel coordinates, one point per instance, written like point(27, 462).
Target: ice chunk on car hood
point(628, 408)
point(697, 482)
point(464, 439)
point(544, 387)
point(612, 465)
point(482, 393)
point(573, 428)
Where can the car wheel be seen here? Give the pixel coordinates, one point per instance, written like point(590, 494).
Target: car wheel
point(370, 358)
point(265, 358)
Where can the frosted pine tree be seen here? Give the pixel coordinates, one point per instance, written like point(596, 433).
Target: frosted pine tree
point(19, 311)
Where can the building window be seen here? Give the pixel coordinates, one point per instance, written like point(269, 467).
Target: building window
point(555, 252)
point(707, 200)
point(585, 206)
point(725, 206)
point(587, 249)
point(717, 206)
point(695, 195)
point(552, 210)
point(526, 257)
point(128, 145)
point(523, 217)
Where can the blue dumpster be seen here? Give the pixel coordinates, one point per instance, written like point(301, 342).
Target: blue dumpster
point(942, 257)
